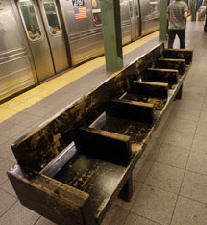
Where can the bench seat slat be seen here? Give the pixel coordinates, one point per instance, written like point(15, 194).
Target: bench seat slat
point(112, 147)
point(186, 54)
point(153, 89)
point(161, 75)
point(169, 63)
point(137, 111)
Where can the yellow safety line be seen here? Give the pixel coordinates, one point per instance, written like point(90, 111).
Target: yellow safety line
point(45, 89)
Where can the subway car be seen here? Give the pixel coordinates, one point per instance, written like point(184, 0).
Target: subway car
point(41, 38)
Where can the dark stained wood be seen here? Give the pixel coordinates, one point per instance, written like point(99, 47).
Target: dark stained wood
point(112, 147)
point(180, 93)
point(169, 76)
point(127, 191)
point(37, 148)
point(137, 131)
point(154, 89)
point(186, 54)
point(61, 203)
point(85, 182)
point(55, 165)
point(158, 103)
point(137, 111)
point(168, 63)
point(101, 179)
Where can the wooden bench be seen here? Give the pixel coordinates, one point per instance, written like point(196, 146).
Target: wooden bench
point(71, 167)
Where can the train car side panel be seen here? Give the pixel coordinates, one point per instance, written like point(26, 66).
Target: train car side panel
point(85, 37)
point(15, 58)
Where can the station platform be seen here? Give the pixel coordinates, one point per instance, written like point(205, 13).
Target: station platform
point(171, 188)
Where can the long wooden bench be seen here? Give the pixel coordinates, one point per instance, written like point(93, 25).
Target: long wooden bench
point(71, 168)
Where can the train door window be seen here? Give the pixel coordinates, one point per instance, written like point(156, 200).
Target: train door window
point(136, 8)
point(52, 16)
point(153, 7)
point(28, 14)
point(124, 13)
point(131, 7)
point(96, 10)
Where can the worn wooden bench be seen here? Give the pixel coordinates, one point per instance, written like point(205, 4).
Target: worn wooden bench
point(71, 168)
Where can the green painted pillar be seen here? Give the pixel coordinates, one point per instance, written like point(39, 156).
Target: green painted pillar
point(193, 10)
point(111, 21)
point(163, 20)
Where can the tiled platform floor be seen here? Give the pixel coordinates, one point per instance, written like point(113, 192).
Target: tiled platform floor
point(171, 186)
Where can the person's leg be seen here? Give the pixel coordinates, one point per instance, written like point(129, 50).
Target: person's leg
point(205, 26)
point(181, 35)
point(171, 34)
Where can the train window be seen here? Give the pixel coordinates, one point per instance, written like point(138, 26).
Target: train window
point(136, 8)
point(131, 7)
point(28, 14)
point(96, 10)
point(52, 16)
point(153, 7)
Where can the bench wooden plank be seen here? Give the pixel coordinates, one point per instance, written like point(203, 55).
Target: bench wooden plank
point(100, 144)
point(138, 111)
point(101, 179)
point(186, 54)
point(127, 191)
point(156, 101)
point(56, 164)
point(48, 197)
point(154, 89)
point(172, 64)
point(135, 129)
point(162, 75)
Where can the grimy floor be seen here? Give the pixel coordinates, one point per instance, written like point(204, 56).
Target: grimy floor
point(171, 187)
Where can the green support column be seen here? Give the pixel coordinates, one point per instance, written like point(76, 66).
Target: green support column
point(110, 16)
point(193, 10)
point(163, 20)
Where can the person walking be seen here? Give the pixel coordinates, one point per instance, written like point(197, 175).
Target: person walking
point(205, 25)
point(177, 13)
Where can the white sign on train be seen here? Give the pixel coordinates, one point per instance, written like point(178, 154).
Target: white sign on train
point(78, 2)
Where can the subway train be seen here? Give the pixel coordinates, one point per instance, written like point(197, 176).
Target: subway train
point(41, 38)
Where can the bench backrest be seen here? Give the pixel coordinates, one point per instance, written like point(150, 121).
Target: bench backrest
point(37, 148)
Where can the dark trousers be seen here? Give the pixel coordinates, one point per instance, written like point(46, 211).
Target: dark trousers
point(172, 34)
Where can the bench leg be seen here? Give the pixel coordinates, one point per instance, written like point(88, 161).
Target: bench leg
point(127, 191)
point(180, 93)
